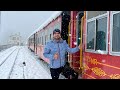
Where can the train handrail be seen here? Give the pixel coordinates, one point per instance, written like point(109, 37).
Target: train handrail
point(81, 48)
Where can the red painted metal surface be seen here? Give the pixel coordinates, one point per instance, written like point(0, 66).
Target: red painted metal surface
point(100, 66)
point(76, 56)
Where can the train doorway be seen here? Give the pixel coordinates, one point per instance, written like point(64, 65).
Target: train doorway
point(79, 34)
point(65, 28)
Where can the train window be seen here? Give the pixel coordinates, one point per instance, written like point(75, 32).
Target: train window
point(31, 40)
point(45, 39)
point(116, 33)
point(38, 40)
point(90, 34)
point(42, 40)
point(101, 31)
point(91, 14)
point(50, 37)
point(97, 31)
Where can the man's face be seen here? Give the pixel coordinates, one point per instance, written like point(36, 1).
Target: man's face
point(57, 35)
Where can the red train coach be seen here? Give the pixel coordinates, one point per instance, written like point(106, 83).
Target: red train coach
point(102, 50)
point(99, 35)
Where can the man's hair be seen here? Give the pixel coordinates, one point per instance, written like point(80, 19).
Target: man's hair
point(56, 30)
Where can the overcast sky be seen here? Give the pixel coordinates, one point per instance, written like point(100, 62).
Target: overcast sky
point(24, 22)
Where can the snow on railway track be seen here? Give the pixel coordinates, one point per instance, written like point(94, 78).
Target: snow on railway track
point(7, 63)
point(18, 63)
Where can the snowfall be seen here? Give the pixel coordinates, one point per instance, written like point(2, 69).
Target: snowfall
point(19, 62)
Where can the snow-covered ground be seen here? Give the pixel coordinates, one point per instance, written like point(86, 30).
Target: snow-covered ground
point(19, 62)
point(4, 52)
point(33, 68)
point(7, 66)
point(12, 67)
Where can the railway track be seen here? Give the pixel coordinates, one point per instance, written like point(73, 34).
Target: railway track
point(7, 63)
point(20, 63)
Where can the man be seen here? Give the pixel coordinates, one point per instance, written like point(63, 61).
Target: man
point(55, 51)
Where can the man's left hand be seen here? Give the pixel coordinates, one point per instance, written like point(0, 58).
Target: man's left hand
point(80, 46)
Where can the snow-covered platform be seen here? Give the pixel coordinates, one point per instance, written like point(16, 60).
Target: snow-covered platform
point(19, 62)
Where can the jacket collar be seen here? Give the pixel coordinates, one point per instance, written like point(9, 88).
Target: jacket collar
point(57, 41)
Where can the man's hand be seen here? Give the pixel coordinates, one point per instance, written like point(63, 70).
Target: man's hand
point(56, 56)
point(80, 46)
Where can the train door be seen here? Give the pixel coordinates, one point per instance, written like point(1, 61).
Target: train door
point(65, 28)
point(79, 33)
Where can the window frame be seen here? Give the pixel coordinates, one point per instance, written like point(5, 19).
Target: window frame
point(90, 20)
point(111, 33)
point(92, 50)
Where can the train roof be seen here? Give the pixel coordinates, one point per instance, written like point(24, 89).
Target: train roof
point(52, 17)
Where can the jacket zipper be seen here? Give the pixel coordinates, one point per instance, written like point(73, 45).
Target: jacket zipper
point(59, 54)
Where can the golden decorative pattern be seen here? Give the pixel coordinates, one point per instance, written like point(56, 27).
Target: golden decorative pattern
point(98, 71)
point(87, 58)
point(115, 76)
point(85, 67)
point(94, 61)
point(89, 76)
